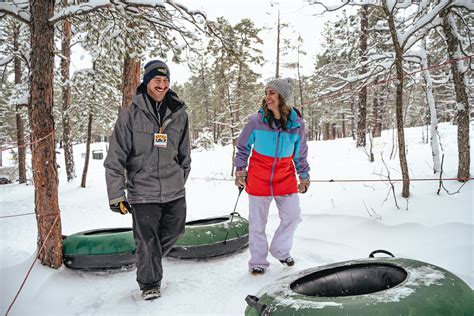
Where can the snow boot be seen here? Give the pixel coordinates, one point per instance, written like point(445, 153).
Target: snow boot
point(288, 261)
point(151, 294)
point(257, 271)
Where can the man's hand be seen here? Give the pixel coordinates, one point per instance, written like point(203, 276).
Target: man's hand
point(121, 207)
point(303, 185)
point(241, 178)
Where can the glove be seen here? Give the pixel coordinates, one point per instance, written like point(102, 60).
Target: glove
point(241, 178)
point(121, 207)
point(303, 185)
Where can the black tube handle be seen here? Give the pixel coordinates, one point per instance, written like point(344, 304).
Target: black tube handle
point(234, 213)
point(261, 309)
point(381, 251)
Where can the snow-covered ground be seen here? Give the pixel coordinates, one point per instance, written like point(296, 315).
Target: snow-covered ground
point(341, 221)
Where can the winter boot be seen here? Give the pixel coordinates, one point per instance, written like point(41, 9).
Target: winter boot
point(151, 294)
point(288, 261)
point(257, 271)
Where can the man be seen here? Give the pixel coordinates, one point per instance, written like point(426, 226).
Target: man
point(151, 142)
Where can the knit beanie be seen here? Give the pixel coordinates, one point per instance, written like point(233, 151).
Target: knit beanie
point(155, 68)
point(284, 87)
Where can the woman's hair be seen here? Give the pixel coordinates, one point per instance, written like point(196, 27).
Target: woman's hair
point(284, 113)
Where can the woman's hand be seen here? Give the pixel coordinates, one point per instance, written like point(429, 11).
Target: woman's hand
point(303, 185)
point(241, 178)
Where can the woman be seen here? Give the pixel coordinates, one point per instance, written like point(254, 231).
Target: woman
point(275, 140)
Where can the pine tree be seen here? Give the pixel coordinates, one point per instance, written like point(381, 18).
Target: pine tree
point(15, 47)
point(42, 18)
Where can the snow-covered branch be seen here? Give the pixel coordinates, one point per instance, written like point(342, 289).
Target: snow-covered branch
point(129, 5)
point(429, 17)
point(17, 9)
point(6, 60)
point(327, 7)
point(80, 9)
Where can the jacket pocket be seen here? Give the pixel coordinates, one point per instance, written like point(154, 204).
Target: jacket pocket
point(142, 141)
point(134, 166)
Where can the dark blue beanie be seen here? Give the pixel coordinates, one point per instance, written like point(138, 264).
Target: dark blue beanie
point(155, 68)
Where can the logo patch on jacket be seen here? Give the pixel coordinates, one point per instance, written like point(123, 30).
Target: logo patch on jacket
point(161, 140)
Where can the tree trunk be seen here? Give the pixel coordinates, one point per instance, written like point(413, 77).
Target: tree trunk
point(204, 83)
point(353, 130)
point(45, 173)
point(343, 119)
point(333, 131)
point(432, 107)
point(231, 128)
point(88, 149)
point(277, 71)
point(300, 82)
point(362, 113)
point(130, 80)
point(326, 131)
point(377, 127)
point(215, 132)
point(20, 126)
point(66, 98)
point(462, 102)
point(399, 104)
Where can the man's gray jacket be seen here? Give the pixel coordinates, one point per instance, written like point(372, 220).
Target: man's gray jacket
point(154, 174)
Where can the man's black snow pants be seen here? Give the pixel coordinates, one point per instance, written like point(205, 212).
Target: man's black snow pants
point(156, 228)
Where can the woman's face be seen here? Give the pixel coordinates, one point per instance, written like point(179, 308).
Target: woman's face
point(272, 99)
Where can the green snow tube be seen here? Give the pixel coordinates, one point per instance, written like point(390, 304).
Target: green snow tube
point(108, 248)
point(212, 237)
point(374, 286)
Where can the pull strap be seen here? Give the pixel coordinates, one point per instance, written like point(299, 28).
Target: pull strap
point(380, 251)
point(261, 309)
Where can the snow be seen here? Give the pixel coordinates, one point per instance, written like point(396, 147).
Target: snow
point(79, 9)
point(425, 275)
point(341, 222)
point(6, 60)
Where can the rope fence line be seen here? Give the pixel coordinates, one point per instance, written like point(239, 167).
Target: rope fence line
point(351, 180)
point(31, 267)
point(30, 143)
point(316, 181)
point(328, 96)
point(17, 215)
point(31, 213)
point(394, 180)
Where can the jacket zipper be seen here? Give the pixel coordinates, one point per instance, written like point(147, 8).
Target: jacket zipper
point(162, 128)
point(274, 163)
point(166, 121)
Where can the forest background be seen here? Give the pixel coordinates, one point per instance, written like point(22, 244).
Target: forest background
point(382, 64)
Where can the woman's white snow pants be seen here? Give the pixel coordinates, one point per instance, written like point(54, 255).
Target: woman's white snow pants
point(289, 212)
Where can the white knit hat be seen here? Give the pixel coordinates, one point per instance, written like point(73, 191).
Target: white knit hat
point(284, 87)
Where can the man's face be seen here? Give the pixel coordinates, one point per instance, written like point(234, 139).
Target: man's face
point(157, 87)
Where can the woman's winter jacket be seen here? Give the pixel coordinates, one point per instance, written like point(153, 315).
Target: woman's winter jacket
point(276, 155)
